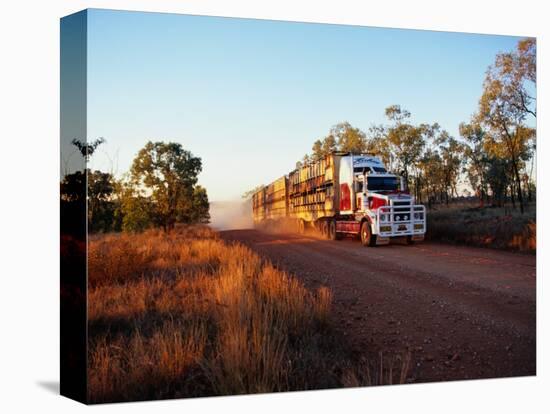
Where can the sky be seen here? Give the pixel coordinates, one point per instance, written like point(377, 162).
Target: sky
point(249, 97)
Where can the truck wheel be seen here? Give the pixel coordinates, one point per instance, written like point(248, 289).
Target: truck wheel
point(324, 229)
point(367, 238)
point(301, 226)
point(331, 230)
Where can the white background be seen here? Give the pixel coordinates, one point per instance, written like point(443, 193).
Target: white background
point(29, 160)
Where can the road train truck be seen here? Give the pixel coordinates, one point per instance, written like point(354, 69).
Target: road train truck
point(342, 194)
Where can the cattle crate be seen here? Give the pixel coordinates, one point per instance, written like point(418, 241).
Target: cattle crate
point(258, 206)
point(312, 187)
point(276, 199)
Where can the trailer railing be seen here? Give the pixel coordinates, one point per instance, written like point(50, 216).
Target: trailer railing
point(401, 220)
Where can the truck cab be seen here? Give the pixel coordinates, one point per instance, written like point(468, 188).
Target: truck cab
point(377, 202)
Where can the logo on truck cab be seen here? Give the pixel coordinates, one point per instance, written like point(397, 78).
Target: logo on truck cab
point(366, 161)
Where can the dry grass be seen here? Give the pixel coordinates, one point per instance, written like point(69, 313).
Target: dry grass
point(501, 228)
point(185, 314)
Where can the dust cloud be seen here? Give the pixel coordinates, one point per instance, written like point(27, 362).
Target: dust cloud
point(231, 215)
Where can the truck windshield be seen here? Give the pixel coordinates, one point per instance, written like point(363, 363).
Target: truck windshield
point(382, 183)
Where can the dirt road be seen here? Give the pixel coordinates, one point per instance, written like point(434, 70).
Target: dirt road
point(462, 312)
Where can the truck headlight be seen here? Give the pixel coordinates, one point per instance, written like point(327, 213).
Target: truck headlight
point(418, 226)
point(385, 229)
point(418, 216)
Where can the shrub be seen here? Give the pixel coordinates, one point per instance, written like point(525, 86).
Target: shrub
point(484, 227)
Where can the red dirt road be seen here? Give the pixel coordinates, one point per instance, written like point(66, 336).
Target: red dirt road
point(462, 312)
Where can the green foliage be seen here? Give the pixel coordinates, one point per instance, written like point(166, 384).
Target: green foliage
point(396, 114)
point(348, 138)
point(201, 206)
point(136, 211)
point(475, 156)
point(498, 177)
point(73, 204)
point(99, 194)
point(342, 137)
point(405, 141)
point(101, 203)
point(378, 144)
point(452, 159)
point(504, 106)
point(73, 187)
point(516, 73)
point(163, 178)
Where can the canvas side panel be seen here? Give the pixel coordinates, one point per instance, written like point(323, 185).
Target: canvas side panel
point(73, 383)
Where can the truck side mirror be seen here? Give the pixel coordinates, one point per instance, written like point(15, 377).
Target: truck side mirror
point(403, 183)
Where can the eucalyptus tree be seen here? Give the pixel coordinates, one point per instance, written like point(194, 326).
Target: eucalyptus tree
point(166, 175)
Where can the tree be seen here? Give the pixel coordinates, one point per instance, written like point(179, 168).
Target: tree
point(377, 143)
point(73, 187)
point(329, 145)
point(432, 175)
point(397, 114)
point(101, 206)
point(347, 138)
point(201, 206)
point(509, 135)
point(317, 150)
point(498, 173)
point(93, 189)
point(342, 137)
point(322, 148)
point(477, 160)
point(504, 106)
point(166, 174)
point(304, 161)
point(405, 141)
point(87, 149)
point(451, 158)
point(136, 210)
point(517, 73)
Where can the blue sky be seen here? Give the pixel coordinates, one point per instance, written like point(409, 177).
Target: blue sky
point(250, 96)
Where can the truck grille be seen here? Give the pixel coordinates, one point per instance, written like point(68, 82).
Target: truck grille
point(402, 210)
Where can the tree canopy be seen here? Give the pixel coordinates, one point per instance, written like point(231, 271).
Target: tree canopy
point(504, 106)
point(166, 174)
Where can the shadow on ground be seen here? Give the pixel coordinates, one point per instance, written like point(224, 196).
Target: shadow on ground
point(51, 386)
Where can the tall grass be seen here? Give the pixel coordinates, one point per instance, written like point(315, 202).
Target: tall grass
point(501, 228)
point(185, 314)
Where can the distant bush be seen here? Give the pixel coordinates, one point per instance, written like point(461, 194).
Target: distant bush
point(485, 227)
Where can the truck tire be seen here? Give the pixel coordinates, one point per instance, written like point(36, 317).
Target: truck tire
point(323, 228)
point(301, 226)
point(367, 238)
point(331, 230)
